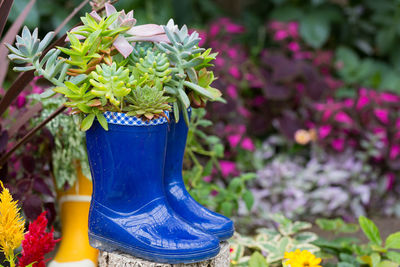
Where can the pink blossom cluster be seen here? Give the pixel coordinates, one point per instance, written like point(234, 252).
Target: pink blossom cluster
point(349, 122)
point(287, 34)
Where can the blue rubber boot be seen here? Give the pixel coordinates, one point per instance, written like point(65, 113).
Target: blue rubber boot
point(129, 211)
point(177, 195)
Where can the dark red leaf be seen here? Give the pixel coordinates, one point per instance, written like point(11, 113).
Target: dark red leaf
point(32, 206)
point(28, 162)
point(40, 186)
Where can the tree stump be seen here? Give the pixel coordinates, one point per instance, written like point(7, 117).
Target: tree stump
point(111, 259)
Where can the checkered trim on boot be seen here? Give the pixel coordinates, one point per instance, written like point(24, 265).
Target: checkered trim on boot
point(123, 119)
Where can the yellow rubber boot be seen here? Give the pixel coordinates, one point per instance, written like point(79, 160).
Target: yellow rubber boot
point(74, 250)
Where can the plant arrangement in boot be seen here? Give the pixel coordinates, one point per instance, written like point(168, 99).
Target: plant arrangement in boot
point(113, 65)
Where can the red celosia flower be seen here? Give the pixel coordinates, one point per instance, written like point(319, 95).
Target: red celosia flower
point(37, 242)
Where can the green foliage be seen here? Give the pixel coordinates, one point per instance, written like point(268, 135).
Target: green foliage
point(375, 253)
point(257, 260)
point(69, 143)
point(366, 72)
point(209, 149)
point(153, 63)
point(111, 83)
point(148, 102)
point(29, 49)
point(97, 76)
point(184, 55)
point(337, 225)
point(274, 242)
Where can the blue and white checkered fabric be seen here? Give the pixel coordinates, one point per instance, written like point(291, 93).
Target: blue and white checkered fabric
point(123, 119)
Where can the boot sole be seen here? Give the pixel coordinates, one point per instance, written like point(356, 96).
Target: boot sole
point(105, 244)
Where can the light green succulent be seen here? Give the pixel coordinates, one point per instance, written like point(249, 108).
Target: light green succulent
point(185, 56)
point(28, 50)
point(111, 83)
point(148, 102)
point(155, 64)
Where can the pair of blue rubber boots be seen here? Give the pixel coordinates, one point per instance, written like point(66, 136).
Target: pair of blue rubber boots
point(139, 204)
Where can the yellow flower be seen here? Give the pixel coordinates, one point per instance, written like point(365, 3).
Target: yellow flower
point(301, 259)
point(11, 224)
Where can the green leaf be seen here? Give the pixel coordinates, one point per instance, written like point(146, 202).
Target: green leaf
point(393, 241)
point(248, 199)
point(202, 91)
point(227, 208)
point(387, 264)
point(345, 264)
point(370, 230)
point(257, 260)
point(385, 39)
point(87, 122)
point(375, 259)
point(314, 29)
point(393, 256)
point(103, 121)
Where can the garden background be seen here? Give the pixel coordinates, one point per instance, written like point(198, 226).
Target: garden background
point(310, 127)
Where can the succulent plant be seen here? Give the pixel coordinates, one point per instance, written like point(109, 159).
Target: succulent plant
point(29, 49)
point(184, 55)
point(155, 64)
point(147, 102)
point(104, 70)
point(84, 56)
point(110, 82)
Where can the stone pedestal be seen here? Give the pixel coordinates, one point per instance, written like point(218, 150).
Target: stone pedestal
point(115, 259)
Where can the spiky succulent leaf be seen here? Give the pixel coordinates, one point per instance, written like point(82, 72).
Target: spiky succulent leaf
point(79, 97)
point(110, 82)
point(155, 64)
point(28, 50)
point(187, 58)
point(148, 102)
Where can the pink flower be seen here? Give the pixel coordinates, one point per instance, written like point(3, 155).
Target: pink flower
point(302, 55)
point(258, 101)
point(343, 118)
point(207, 179)
point(276, 25)
point(280, 35)
point(390, 178)
point(300, 87)
point(253, 80)
point(227, 168)
point(388, 97)
point(232, 91)
point(214, 30)
point(247, 144)
point(21, 101)
point(363, 100)
point(234, 28)
point(244, 112)
point(394, 151)
point(324, 131)
point(219, 62)
point(338, 144)
point(235, 72)
point(234, 140)
point(293, 46)
point(203, 36)
point(293, 29)
point(232, 53)
point(382, 115)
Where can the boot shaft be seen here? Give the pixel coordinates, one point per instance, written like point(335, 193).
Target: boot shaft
point(127, 164)
point(176, 143)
